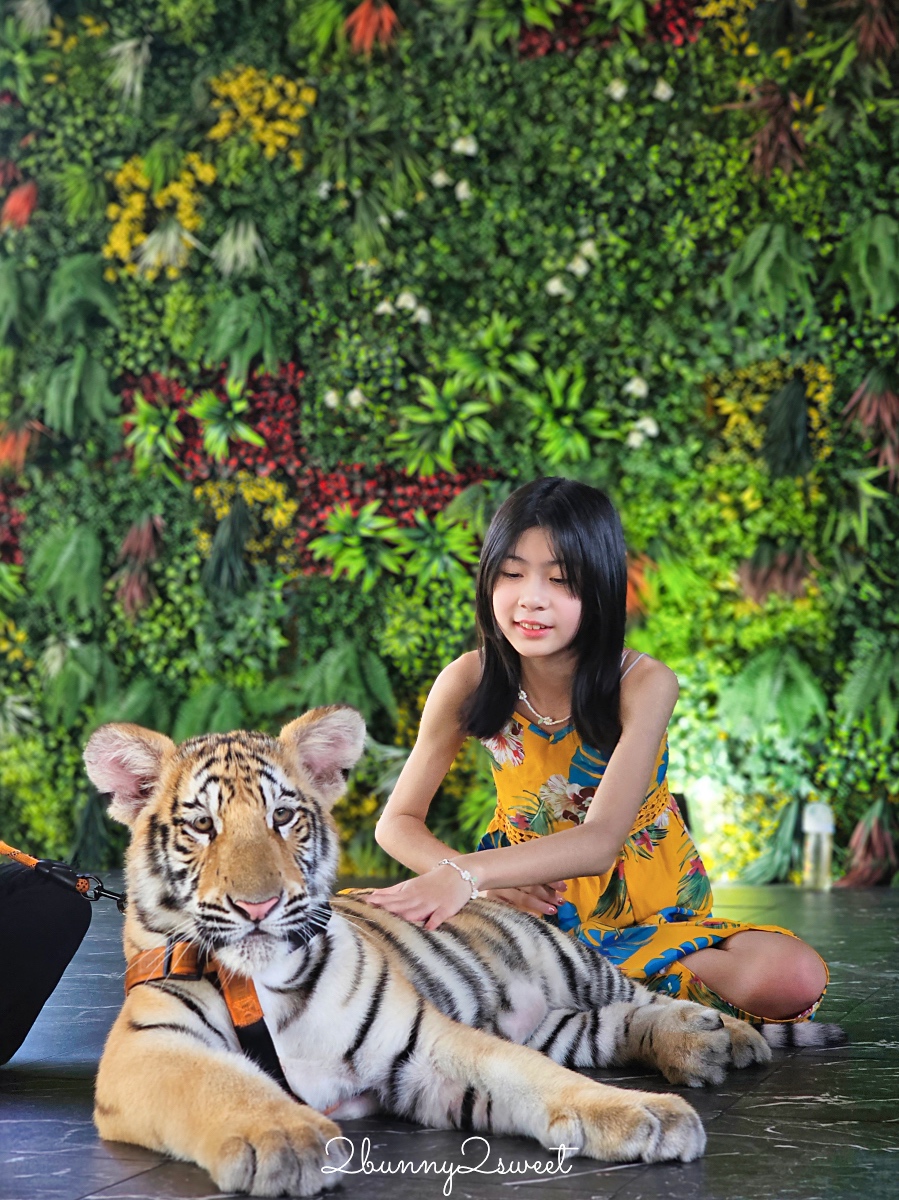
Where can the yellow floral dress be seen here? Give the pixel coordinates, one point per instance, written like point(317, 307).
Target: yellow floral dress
point(654, 907)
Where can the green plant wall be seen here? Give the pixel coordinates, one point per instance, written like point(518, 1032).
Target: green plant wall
point(293, 294)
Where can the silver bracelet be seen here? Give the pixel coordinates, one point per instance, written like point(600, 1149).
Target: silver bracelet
point(466, 875)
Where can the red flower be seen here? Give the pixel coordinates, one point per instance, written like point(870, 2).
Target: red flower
point(19, 205)
point(644, 840)
point(373, 21)
point(273, 413)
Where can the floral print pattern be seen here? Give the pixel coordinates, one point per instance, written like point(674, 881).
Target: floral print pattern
point(653, 907)
point(506, 747)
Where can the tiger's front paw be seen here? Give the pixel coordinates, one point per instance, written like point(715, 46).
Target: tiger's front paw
point(285, 1158)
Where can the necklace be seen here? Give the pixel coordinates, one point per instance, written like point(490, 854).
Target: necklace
point(522, 695)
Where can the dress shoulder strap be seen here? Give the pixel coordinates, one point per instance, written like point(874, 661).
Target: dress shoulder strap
point(633, 664)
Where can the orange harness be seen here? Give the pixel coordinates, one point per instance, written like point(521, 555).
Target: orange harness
point(183, 960)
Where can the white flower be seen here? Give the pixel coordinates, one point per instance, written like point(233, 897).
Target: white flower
point(465, 145)
point(637, 387)
point(331, 398)
point(324, 189)
point(440, 178)
point(422, 315)
point(384, 220)
point(385, 309)
point(663, 90)
point(648, 425)
point(617, 89)
point(239, 249)
point(557, 793)
point(578, 266)
point(635, 439)
point(131, 58)
point(463, 190)
point(556, 286)
point(506, 746)
point(588, 249)
point(406, 300)
point(167, 246)
point(356, 398)
point(399, 214)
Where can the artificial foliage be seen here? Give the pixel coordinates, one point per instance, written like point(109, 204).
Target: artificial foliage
point(293, 293)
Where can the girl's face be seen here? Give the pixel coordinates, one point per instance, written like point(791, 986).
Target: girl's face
point(531, 601)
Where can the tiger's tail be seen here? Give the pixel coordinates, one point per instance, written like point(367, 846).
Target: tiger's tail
point(803, 1034)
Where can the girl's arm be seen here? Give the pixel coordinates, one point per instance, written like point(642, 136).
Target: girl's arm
point(401, 829)
point(648, 696)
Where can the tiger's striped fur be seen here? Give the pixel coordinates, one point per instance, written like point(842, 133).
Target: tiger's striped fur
point(233, 848)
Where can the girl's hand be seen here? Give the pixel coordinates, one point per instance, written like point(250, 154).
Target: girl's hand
point(427, 900)
point(539, 898)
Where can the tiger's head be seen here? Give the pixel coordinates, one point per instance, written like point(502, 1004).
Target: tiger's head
point(232, 842)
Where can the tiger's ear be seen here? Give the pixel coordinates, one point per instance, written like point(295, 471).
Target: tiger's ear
point(126, 761)
point(327, 743)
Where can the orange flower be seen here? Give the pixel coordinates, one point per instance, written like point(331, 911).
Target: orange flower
point(372, 21)
point(14, 446)
point(637, 587)
point(19, 205)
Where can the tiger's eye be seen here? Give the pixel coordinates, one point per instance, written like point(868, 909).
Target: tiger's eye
point(282, 816)
point(204, 824)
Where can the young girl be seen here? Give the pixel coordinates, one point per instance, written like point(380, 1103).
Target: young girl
point(586, 832)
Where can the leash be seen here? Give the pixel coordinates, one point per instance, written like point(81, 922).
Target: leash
point(91, 887)
point(175, 960)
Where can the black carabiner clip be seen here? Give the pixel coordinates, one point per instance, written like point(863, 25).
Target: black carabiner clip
point(97, 890)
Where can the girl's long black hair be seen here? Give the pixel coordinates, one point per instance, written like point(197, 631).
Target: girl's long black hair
point(584, 530)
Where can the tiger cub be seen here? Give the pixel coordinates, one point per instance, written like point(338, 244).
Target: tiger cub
point(233, 849)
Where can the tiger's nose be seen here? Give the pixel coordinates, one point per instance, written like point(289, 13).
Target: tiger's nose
point(256, 911)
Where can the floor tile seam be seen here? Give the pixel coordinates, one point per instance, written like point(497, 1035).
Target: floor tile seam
point(642, 1170)
point(774, 1069)
point(127, 1179)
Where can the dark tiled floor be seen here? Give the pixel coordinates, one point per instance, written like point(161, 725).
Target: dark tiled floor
point(813, 1125)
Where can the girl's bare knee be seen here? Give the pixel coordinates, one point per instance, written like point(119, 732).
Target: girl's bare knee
point(808, 977)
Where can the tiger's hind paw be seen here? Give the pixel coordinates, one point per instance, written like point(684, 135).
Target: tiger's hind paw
point(687, 1042)
point(747, 1045)
point(629, 1126)
point(695, 1045)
